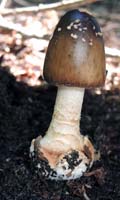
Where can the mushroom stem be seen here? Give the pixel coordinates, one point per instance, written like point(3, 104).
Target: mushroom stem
point(64, 128)
point(63, 151)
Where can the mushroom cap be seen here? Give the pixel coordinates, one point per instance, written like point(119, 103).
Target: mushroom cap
point(75, 55)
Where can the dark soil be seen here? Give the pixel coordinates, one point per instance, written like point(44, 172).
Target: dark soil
point(25, 113)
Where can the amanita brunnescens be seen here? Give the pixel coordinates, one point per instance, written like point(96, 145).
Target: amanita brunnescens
point(75, 60)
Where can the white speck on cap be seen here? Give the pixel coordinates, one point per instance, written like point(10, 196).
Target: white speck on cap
point(59, 29)
point(75, 26)
point(69, 27)
point(77, 20)
point(74, 36)
point(80, 29)
point(83, 39)
point(98, 34)
point(91, 43)
point(84, 28)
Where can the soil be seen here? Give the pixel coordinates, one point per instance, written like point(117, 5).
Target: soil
point(25, 113)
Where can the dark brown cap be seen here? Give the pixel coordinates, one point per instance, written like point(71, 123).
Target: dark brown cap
point(75, 54)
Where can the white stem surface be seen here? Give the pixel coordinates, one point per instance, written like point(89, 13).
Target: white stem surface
point(64, 133)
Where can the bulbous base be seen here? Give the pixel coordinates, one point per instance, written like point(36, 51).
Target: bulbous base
point(62, 166)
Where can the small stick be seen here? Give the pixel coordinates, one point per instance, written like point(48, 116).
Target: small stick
point(4, 24)
point(3, 4)
point(112, 52)
point(41, 7)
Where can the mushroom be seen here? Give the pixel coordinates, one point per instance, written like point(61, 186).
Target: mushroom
point(75, 60)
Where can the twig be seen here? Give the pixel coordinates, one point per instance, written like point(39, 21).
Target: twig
point(42, 7)
point(86, 196)
point(4, 24)
point(112, 17)
point(3, 4)
point(84, 193)
point(112, 52)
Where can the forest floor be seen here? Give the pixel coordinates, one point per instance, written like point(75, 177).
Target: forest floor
point(26, 106)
